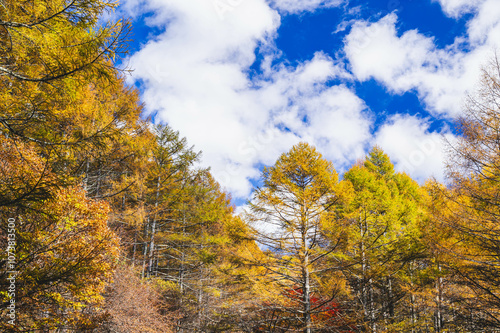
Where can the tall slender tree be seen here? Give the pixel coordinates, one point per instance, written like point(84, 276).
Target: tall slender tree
point(383, 213)
point(474, 170)
point(290, 214)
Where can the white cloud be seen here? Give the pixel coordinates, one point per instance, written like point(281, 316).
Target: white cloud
point(412, 148)
point(337, 124)
point(195, 75)
point(457, 8)
point(411, 61)
point(297, 6)
point(484, 29)
point(375, 50)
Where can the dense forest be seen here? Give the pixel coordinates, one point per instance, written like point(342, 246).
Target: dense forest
point(108, 224)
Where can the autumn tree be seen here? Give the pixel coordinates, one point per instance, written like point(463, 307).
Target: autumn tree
point(52, 39)
point(291, 217)
point(49, 50)
point(165, 188)
point(53, 55)
point(383, 212)
point(133, 304)
point(70, 133)
point(437, 287)
point(181, 235)
point(63, 252)
point(474, 172)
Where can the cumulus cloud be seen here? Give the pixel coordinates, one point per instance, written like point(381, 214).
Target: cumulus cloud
point(457, 8)
point(413, 148)
point(297, 6)
point(411, 61)
point(484, 29)
point(333, 118)
point(195, 75)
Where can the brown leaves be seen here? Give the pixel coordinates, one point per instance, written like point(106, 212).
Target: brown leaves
point(135, 305)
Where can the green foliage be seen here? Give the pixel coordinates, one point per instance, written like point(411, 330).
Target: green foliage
point(384, 213)
point(378, 162)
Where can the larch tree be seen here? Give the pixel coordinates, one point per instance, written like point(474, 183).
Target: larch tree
point(371, 214)
point(442, 291)
point(183, 231)
point(165, 190)
point(63, 252)
point(53, 53)
point(291, 215)
point(51, 39)
point(473, 168)
point(69, 130)
point(49, 50)
point(383, 212)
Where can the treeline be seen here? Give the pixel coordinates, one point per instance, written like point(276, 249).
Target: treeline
point(108, 225)
point(377, 252)
point(373, 252)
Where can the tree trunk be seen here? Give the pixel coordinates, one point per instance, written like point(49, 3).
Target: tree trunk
point(307, 298)
point(305, 271)
point(439, 295)
point(390, 299)
point(145, 250)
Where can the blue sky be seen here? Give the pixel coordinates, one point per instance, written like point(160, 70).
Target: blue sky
point(244, 80)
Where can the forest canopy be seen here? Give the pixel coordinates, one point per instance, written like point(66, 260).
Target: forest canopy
point(109, 224)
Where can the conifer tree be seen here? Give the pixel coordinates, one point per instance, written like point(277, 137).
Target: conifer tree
point(383, 211)
point(291, 214)
point(474, 170)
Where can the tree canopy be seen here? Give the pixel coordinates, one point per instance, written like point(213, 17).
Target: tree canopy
point(109, 224)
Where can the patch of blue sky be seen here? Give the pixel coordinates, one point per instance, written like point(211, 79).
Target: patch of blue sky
point(298, 38)
point(301, 36)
